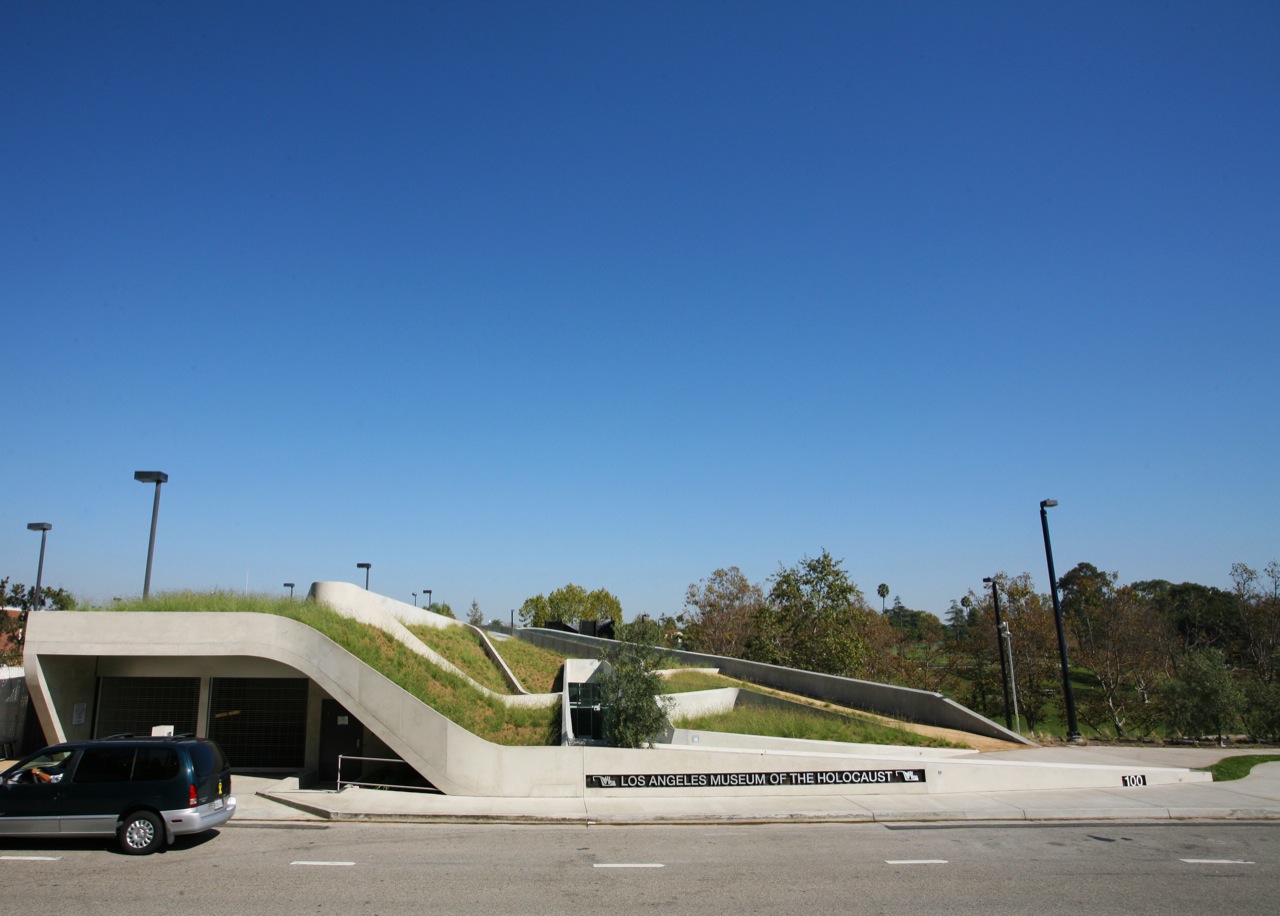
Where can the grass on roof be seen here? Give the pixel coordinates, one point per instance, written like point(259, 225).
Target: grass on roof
point(797, 723)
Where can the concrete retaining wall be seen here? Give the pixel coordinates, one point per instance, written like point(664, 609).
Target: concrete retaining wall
point(921, 706)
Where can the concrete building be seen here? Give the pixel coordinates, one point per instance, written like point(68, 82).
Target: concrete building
point(281, 697)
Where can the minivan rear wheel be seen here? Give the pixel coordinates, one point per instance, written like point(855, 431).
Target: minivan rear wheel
point(140, 833)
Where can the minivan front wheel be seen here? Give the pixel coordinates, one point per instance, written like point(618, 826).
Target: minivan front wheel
point(140, 833)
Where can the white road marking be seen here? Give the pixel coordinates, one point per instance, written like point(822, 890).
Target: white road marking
point(1218, 862)
point(629, 865)
point(915, 861)
point(303, 862)
point(31, 858)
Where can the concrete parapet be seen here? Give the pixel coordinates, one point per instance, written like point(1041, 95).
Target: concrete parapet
point(923, 706)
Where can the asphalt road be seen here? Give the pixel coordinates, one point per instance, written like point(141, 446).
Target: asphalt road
point(1106, 867)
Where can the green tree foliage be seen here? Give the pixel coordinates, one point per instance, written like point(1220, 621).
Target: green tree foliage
point(813, 619)
point(883, 591)
point(644, 630)
point(1203, 698)
point(13, 626)
point(1123, 642)
point(602, 605)
point(1262, 709)
point(475, 616)
point(441, 608)
point(1034, 642)
point(570, 604)
point(722, 610)
point(536, 612)
point(630, 687)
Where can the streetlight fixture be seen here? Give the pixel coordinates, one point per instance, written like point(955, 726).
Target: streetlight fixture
point(415, 598)
point(365, 567)
point(1013, 680)
point(157, 478)
point(1073, 728)
point(289, 586)
point(43, 528)
point(427, 592)
point(1004, 670)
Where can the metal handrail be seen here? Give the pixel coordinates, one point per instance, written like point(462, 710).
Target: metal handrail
point(377, 785)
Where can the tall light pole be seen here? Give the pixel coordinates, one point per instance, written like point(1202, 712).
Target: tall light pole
point(415, 598)
point(289, 586)
point(1013, 680)
point(1073, 729)
point(427, 592)
point(157, 478)
point(365, 567)
point(1004, 670)
point(43, 528)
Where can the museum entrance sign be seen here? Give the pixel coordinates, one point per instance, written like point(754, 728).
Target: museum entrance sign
point(763, 780)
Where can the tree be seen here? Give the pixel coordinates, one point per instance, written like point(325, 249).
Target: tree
point(570, 604)
point(883, 591)
point(813, 619)
point(722, 609)
point(440, 607)
point(1204, 699)
point(1123, 642)
point(1034, 640)
point(602, 605)
point(536, 612)
point(634, 713)
point(13, 626)
point(475, 616)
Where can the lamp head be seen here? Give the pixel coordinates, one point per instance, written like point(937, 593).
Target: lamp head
point(151, 476)
point(39, 526)
point(1048, 503)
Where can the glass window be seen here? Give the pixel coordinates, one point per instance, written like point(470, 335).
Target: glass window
point(207, 759)
point(105, 764)
point(45, 768)
point(154, 763)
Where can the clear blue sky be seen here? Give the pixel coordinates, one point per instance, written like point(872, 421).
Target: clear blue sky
point(500, 296)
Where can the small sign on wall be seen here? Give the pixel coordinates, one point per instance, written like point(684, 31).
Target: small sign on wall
point(78, 713)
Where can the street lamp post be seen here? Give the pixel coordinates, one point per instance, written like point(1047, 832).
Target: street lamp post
point(365, 567)
point(427, 592)
point(1073, 729)
point(415, 598)
point(43, 528)
point(157, 478)
point(1004, 670)
point(1013, 680)
point(289, 586)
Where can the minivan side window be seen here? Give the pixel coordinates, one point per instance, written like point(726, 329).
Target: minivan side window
point(155, 763)
point(105, 764)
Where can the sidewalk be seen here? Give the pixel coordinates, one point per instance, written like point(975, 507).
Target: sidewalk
point(1255, 797)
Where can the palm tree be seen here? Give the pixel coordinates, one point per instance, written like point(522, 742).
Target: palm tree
point(883, 591)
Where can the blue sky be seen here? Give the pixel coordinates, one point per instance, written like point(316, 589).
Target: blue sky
point(500, 296)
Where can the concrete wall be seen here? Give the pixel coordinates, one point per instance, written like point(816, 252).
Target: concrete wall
point(921, 706)
point(391, 617)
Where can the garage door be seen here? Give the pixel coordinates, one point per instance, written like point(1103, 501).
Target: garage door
point(260, 722)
